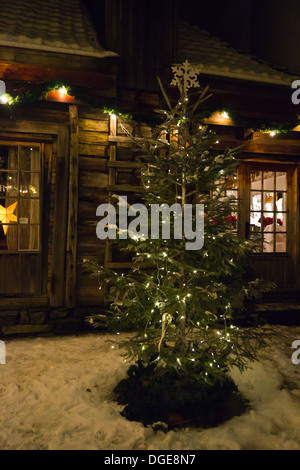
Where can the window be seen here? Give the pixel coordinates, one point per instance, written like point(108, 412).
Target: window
point(268, 210)
point(20, 198)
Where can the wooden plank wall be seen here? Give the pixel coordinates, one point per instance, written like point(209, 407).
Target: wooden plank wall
point(93, 182)
point(95, 144)
point(101, 175)
point(107, 165)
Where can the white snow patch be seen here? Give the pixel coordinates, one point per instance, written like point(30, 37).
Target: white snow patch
point(56, 394)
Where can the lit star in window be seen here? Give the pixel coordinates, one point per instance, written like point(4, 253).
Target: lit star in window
point(7, 216)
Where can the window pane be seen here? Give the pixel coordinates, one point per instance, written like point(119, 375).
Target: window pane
point(29, 159)
point(281, 202)
point(268, 180)
point(28, 237)
point(268, 221)
point(256, 180)
point(8, 157)
point(29, 211)
point(268, 201)
point(268, 246)
point(8, 211)
point(257, 239)
point(281, 183)
point(29, 184)
point(281, 223)
point(8, 183)
point(268, 227)
point(281, 243)
point(9, 237)
point(255, 222)
point(255, 202)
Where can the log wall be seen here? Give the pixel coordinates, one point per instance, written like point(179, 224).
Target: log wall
point(99, 161)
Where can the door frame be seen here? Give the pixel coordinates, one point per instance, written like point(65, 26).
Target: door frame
point(293, 181)
point(40, 253)
point(59, 134)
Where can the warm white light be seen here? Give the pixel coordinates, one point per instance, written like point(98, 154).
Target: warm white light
point(4, 99)
point(225, 115)
point(62, 91)
point(272, 133)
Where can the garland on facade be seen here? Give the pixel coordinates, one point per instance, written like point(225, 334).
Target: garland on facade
point(257, 125)
point(41, 91)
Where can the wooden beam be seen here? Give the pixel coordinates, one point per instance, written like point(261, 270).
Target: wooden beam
point(113, 126)
point(32, 127)
point(269, 158)
point(125, 165)
point(60, 220)
point(296, 215)
point(118, 265)
point(277, 148)
point(48, 163)
point(10, 303)
point(33, 73)
point(126, 188)
point(120, 139)
point(71, 258)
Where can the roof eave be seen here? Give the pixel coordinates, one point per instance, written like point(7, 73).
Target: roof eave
point(62, 50)
point(254, 78)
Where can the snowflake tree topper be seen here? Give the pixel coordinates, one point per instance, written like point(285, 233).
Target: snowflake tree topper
point(185, 76)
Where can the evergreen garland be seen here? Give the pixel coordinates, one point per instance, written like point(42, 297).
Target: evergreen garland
point(41, 90)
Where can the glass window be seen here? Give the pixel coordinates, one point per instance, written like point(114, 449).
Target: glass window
point(268, 210)
point(20, 177)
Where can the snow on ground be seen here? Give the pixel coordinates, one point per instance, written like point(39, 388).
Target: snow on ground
point(56, 394)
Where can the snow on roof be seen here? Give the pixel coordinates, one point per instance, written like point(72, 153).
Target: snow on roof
point(215, 57)
point(57, 26)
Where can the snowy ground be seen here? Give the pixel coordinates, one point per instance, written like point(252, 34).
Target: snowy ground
point(56, 394)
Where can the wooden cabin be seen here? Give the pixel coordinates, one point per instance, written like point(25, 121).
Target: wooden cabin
point(62, 154)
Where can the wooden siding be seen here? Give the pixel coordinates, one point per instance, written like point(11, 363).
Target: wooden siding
point(93, 182)
point(104, 164)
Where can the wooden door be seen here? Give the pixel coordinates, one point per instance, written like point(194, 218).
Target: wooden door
point(268, 216)
point(21, 218)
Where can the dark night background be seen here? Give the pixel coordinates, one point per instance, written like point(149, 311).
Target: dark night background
point(268, 29)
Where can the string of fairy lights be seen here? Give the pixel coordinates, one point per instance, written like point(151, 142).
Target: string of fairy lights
point(223, 116)
point(226, 115)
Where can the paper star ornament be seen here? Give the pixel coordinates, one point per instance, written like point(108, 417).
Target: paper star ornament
point(7, 216)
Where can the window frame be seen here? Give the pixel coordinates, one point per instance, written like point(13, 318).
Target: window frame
point(19, 144)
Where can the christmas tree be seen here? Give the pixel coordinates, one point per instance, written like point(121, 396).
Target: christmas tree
point(181, 305)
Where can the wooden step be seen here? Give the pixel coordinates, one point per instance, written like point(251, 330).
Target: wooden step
point(280, 313)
